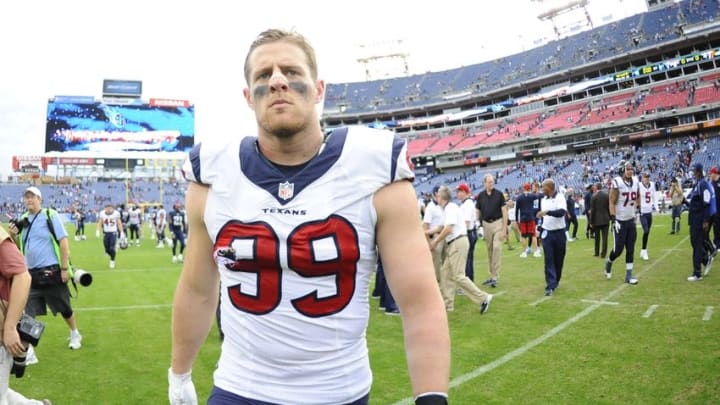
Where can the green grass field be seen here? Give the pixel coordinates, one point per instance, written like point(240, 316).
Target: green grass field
point(592, 342)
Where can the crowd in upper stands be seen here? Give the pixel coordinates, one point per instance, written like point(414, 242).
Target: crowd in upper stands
point(631, 33)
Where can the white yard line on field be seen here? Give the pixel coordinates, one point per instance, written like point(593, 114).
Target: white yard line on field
point(542, 338)
point(650, 311)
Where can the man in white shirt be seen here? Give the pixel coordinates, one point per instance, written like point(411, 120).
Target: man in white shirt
point(433, 222)
point(454, 232)
point(553, 209)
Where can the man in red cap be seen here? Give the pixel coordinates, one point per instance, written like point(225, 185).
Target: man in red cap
point(715, 181)
point(526, 206)
point(467, 206)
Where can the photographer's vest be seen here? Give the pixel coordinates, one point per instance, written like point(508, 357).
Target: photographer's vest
point(53, 237)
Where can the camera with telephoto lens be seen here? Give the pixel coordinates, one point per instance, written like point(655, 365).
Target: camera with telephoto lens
point(20, 223)
point(19, 363)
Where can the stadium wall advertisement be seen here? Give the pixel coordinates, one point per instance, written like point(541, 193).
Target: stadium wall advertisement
point(102, 127)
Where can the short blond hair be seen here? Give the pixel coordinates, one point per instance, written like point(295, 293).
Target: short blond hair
point(278, 35)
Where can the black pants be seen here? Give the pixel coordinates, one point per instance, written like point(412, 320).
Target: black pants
point(698, 239)
point(572, 220)
point(716, 229)
point(470, 264)
point(624, 240)
point(601, 231)
point(646, 222)
point(554, 244)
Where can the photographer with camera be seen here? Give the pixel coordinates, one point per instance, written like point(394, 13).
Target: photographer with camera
point(14, 289)
point(42, 239)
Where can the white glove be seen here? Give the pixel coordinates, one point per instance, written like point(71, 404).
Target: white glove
point(122, 235)
point(181, 389)
point(616, 226)
point(97, 233)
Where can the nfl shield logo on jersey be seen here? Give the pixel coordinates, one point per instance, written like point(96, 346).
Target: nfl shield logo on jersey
point(285, 190)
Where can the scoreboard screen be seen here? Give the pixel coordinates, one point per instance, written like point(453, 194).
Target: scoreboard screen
point(101, 127)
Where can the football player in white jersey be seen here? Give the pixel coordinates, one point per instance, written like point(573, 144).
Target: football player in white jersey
point(160, 225)
point(135, 224)
point(111, 225)
point(648, 204)
point(289, 224)
point(624, 202)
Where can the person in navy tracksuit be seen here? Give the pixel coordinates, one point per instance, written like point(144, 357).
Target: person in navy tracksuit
point(702, 203)
point(553, 210)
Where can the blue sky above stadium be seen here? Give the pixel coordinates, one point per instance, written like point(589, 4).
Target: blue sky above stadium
point(195, 50)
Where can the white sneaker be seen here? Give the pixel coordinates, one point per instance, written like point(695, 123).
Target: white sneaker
point(180, 257)
point(523, 255)
point(632, 281)
point(75, 341)
point(694, 278)
point(174, 259)
point(160, 245)
point(537, 254)
point(112, 264)
point(83, 237)
point(31, 357)
point(644, 254)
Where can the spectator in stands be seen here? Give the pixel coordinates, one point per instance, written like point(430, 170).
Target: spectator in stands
point(467, 206)
point(702, 203)
point(454, 234)
point(571, 215)
point(600, 219)
point(492, 212)
point(525, 213)
point(42, 238)
point(676, 199)
point(553, 210)
point(433, 222)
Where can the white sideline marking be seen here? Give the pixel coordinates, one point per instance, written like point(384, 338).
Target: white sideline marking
point(650, 311)
point(537, 341)
point(499, 293)
point(601, 302)
point(541, 300)
point(708, 313)
point(125, 307)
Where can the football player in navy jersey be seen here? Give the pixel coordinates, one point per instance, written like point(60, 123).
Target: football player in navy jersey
point(178, 227)
point(290, 224)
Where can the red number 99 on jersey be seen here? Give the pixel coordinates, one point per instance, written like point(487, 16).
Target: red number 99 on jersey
point(263, 258)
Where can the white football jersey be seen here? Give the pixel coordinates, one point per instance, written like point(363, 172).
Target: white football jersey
point(295, 256)
point(109, 221)
point(627, 194)
point(647, 198)
point(161, 218)
point(135, 215)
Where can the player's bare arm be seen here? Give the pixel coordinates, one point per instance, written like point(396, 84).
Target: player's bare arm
point(409, 270)
point(614, 194)
point(196, 296)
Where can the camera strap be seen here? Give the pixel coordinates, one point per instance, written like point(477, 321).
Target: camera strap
point(51, 228)
point(27, 232)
